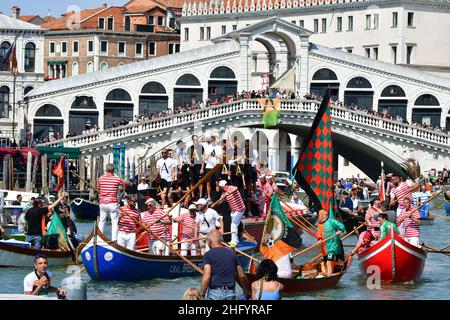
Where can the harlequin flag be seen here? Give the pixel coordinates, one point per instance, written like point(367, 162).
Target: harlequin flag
point(271, 111)
point(314, 169)
point(58, 171)
point(280, 237)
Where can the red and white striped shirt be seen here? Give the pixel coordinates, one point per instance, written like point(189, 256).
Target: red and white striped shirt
point(158, 229)
point(411, 228)
point(188, 223)
point(109, 187)
point(400, 192)
point(126, 224)
point(235, 200)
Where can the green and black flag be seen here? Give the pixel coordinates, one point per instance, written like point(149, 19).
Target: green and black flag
point(314, 169)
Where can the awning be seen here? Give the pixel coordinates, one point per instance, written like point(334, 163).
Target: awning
point(22, 152)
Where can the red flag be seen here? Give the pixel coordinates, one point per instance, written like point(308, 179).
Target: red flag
point(381, 192)
point(58, 171)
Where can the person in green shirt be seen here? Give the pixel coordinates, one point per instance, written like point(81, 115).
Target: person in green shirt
point(386, 225)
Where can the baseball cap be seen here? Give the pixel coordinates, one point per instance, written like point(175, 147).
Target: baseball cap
point(201, 201)
point(222, 183)
point(192, 207)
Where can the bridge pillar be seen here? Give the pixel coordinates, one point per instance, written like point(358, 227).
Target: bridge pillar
point(301, 81)
point(273, 158)
point(245, 62)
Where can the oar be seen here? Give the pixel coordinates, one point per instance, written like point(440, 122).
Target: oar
point(343, 238)
point(195, 239)
point(315, 245)
point(79, 177)
point(431, 198)
point(164, 242)
point(239, 251)
point(433, 250)
point(293, 210)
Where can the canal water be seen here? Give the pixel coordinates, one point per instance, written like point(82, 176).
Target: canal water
point(433, 286)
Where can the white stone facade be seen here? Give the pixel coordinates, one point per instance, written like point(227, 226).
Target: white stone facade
point(26, 80)
point(365, 27)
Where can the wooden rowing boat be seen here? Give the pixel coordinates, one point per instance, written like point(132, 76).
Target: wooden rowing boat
point(397, 260)
point(84, 210)
point(16, 256)
point(105, 260)
point(311, 279)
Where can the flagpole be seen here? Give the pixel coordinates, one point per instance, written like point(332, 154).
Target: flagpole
point(14, 106)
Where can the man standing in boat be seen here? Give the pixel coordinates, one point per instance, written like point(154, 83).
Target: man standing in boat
point(38, 282)
point(401, 191)
point(410, 218)
point(126, 235)
point(157, 220)
point(190, 230)
point(108, 186)
point(207, 219)
point(334, 250)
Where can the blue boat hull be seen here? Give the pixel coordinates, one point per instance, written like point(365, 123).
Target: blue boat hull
point(84, 210)
point(106, 261)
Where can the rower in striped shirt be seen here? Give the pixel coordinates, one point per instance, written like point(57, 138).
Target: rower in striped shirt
point(401, 190)
point(126, 235)
point(237, 207)
point(190, 230)
point(410, 219)
point(108, 186)
point(157, 221)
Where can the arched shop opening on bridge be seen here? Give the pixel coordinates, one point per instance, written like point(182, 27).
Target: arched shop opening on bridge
point(118, 106)
point(321, 80)
point(153, 98)
point(188, 91)
point(48, 122)
point(222, 82)
point(359, 92)
point(83, 114)
point(393, 101)
point(427, 111)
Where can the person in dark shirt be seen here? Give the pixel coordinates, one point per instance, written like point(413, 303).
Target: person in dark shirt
point(34, 218)
point(221, 265)
point(162, 186)
point(18, 201)
point(131, 189)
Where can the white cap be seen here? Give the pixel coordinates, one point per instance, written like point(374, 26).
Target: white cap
point(268, 177)
point(192, 207)
point(151, 201)
point(222, 183)
point(201, 201)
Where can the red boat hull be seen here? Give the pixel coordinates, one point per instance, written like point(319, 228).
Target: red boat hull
point(397, 260)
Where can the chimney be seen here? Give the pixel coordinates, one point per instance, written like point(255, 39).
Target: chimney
point(16, 12)
point(105, 5)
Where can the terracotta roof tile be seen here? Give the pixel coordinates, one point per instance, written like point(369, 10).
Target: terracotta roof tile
point(28, 18)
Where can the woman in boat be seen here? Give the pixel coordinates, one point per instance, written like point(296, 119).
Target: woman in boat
point(267, 287)
point(364, 242)
point(372, 218)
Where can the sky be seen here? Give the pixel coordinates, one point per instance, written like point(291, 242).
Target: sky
point(56, 7)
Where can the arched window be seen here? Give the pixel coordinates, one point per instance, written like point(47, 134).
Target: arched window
point(188, 80)
point(118, 95)
point(153, 87)
point(90, 67)
point(48, 110)
point(393, 91)
point(75, 69)
point(3, 50)
point(30, 57)
point(121, 64)
point(103, 66)
point(127, 24)
point(4, 102)
point(83, 102)
point(426, 100)
point(27, 89)
point(222, 73)
point(324, 74)
point(359, 83)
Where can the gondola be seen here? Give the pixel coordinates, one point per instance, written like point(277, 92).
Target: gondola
point(84, 210)
point(105, 260)
point(15, 255)
point(350, 221)
point(447, 202)
point(310, 279)
point(397, 260)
